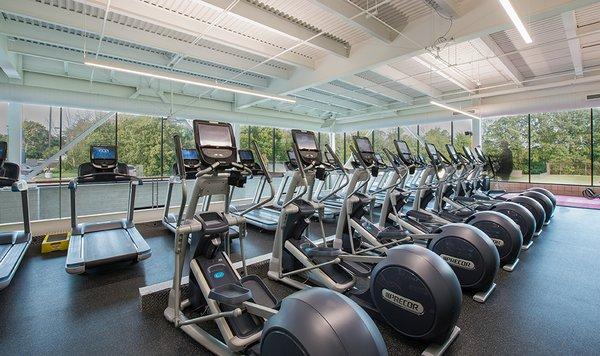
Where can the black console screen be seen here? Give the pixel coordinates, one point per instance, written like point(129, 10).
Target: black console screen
point(432, 151)
point(452, 152)
point(306, 141)
point(108, 153)
point(2, 151)
point(213, 135)
point(364, 145)
point(246, 155)
point(190, 154)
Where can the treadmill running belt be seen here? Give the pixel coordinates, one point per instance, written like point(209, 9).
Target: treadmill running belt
point(110, 245)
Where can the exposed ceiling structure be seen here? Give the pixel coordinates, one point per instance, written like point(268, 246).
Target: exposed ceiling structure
point(345, 63)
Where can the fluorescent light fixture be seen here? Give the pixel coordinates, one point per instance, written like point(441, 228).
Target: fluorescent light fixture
point(453, 109)
point(176, 77)
point(510, 10)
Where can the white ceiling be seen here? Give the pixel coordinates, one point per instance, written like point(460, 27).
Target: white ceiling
point(334, 57)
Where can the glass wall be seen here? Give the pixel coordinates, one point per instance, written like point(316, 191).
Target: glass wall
point(596, 146)
point(462, 134)
point(505, 141)
point(560, 147)
point(438, 134)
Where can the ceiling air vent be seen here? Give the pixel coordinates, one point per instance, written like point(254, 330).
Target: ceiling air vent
point(442, 7)
point(593, 96)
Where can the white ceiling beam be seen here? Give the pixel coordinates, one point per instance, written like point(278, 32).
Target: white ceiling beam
point(398, 76)
point(270, 21)
point(377, 88)
point(9, 61)
point(487, 47)
point(570, 24)
point(322, 107)
point(333, 100)
point(481, 19)
point(447, 72)
point(339, 91)
point(67, 18)
point(173, 20)
point(584, 30)
point(66, 40)
point(348, 12)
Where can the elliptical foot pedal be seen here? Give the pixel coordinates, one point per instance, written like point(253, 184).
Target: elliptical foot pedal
point(440, 349)
point(511, 267)
point(481, 297)
point(526, 247)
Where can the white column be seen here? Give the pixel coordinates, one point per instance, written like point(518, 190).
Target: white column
point(332, 140)
point(237, 131)
point(477, 133)
point(15, 132)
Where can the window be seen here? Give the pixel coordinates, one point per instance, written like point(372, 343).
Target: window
point(4, 121)
point(462, 134)
point(407, 133)
point(560, 147)
point(505, 141)
point(171, 127)
point(596, 146)
point(283, 142)
point(384, 139)
point(76, 122)
point(437, 134)
point(139, 141)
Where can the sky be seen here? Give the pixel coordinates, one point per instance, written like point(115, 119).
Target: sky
point(30, 112)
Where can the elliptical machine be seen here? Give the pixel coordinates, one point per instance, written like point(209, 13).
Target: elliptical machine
point(467, 250)
point(503, 231)
point(316, 321)
point(411, 288)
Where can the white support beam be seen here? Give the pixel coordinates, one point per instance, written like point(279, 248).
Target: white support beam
point(15, 132)
point(377, 88)
point(173, 20)
point(487, 47)
point(339, 91)
point(343, 103)
point(477, 132)
point(398, 76)
point(449, 73)
point(348, 12)
point(329, 108)
point(63, 17)
point(9, 61)
point(481, 19)
point(271, 21)
point(570, 24)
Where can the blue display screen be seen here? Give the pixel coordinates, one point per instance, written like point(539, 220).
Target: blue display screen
point(219, 275)
point(190, 154)
point(108, 153)
point(2, 152)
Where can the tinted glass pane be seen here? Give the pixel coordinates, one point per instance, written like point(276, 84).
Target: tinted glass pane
point(506, 144)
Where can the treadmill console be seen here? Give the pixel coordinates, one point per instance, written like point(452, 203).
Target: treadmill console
point(433, 154)
point(365, 150)
point(247, 159)
point(104, 157)
point(191, 163)
point(306, 143)
point(3, 152)
point(404, 151)
point(453, 154)
point(215, 142)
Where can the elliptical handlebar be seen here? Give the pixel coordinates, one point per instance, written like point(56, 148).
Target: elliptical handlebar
point(181, 173)
point(341, 167)
point(302, 171)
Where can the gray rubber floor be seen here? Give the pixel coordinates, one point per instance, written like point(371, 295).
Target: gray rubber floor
point(548, 306)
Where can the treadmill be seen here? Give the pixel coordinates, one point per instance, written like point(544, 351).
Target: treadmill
point(266, 217)
point(13, 244)
point(102, 243)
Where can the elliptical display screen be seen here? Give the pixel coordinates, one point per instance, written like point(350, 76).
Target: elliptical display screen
point(190, 154)
point(480, 153)
point(291, 155)
point(364, 145)
point(213, 135)
point(432, 152)
point(468, 153)
point(306, 141)
point(104, 153)
point(452, 152)
point(404, 150)
point(246, 155)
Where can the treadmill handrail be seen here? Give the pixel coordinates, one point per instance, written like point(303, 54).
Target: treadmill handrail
point(267, 175)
